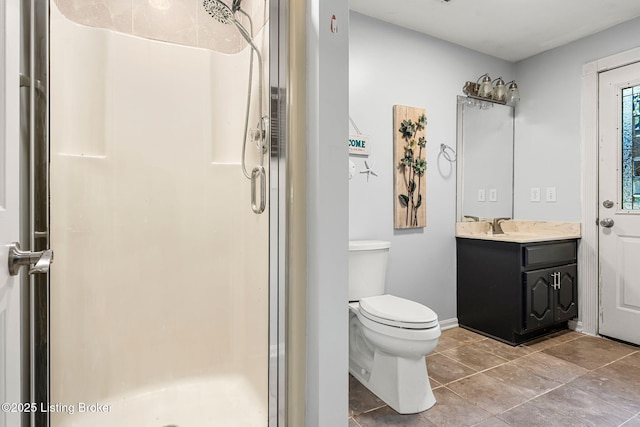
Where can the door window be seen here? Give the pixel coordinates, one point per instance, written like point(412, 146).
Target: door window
point(631, 148)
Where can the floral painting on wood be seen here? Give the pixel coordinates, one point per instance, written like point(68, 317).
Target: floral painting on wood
point(410, 159)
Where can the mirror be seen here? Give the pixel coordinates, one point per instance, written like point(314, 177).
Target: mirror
point(485, 160)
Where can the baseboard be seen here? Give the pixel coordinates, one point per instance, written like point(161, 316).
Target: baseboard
point(448, 324)
point(575, 325)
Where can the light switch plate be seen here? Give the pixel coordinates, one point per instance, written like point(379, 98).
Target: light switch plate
point(481, 195)
point(551, 194)
point(493, 195)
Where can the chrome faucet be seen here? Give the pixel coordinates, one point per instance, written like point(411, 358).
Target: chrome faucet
point(497, 225)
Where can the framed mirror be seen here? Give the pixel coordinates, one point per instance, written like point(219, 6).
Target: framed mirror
point(485, 149)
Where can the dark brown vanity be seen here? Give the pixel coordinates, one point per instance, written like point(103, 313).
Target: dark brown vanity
point(514, 288)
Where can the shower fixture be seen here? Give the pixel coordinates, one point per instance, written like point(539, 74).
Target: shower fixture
point(225, 14)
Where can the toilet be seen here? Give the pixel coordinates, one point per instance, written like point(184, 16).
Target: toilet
point(389, 336)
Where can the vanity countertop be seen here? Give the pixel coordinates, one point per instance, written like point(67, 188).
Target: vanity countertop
point(519, 231)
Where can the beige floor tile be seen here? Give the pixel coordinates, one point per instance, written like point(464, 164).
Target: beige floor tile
point(553, 340)
point(474, 358)
point(581, 406)
point(388, 417)
point(500, 349)
point(445, 370)
point(550, 367)
point(590, 352)
point(632, 360)
point(617, 385)
point(565, 379)
point(447, 342)
point(361, 399)
point(451, 410)
point(434, 383)
point(492, 422)
point(488, 393)
point(463, 335)
point(525, 380)
point(626, 369)
point(531, 414)
point(634, 422)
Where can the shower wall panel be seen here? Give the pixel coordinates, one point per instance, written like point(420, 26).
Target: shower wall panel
point(161, 267)
point(178, 21)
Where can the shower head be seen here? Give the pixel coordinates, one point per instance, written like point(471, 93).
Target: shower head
point(225, 14)
point(219, 11)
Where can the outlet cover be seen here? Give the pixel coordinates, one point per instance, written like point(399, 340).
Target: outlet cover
point(535, 194)
point(551, 194)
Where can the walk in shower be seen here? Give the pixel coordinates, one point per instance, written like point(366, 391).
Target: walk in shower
point(164, 215)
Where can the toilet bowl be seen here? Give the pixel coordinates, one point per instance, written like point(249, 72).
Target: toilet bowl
point(389, 336)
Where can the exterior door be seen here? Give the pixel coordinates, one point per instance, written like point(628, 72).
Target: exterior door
point(619, 202)
point(9, 214)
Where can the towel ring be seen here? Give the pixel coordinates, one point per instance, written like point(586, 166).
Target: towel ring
point(448, 153)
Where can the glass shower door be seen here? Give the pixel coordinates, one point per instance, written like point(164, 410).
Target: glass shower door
point(159, 300)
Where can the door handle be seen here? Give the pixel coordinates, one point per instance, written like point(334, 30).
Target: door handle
point(39, 262)
point(555, 280)
point(258, 174)
point(606, 222)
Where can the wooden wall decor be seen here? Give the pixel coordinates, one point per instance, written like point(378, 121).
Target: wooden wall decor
point(410, 165)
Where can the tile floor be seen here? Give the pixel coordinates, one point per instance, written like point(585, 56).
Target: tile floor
point(566, 379)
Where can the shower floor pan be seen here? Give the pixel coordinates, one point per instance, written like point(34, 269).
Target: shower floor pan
point(216, 401)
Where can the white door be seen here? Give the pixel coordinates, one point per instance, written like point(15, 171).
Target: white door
point(619, 203)
point(9, 212)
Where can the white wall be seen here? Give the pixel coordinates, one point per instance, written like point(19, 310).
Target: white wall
point(327, 192)
point(548, 124)
point(391, 65)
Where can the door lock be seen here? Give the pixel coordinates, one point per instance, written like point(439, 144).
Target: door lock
point(607, 204)
point(39, 262)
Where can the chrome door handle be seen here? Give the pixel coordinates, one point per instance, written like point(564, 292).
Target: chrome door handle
point(40, 260)
point(606, 222)
point(258, 173)
point(556, 280)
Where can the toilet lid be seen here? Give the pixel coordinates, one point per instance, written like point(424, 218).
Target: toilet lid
point(395, 311)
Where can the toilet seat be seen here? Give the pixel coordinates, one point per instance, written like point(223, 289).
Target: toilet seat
point(398, 312)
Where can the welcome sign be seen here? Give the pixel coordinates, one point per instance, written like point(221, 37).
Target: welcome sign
point(359, 144)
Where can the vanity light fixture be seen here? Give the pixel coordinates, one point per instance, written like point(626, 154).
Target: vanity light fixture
point(513, 94)
point(499, 90)
point(485, 89)
point(495, 91)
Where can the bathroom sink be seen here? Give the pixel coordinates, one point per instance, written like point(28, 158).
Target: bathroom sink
point(475, 228)
point(522, 231)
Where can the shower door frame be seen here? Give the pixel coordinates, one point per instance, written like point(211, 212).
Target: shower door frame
point(278, 221)
point(35, 323)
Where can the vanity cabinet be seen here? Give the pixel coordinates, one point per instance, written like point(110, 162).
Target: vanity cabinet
point(513, 291)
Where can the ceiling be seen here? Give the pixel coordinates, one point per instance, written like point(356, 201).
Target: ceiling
point(508, 29)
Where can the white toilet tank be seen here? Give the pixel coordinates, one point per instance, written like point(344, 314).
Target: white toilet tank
point(367, 268)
